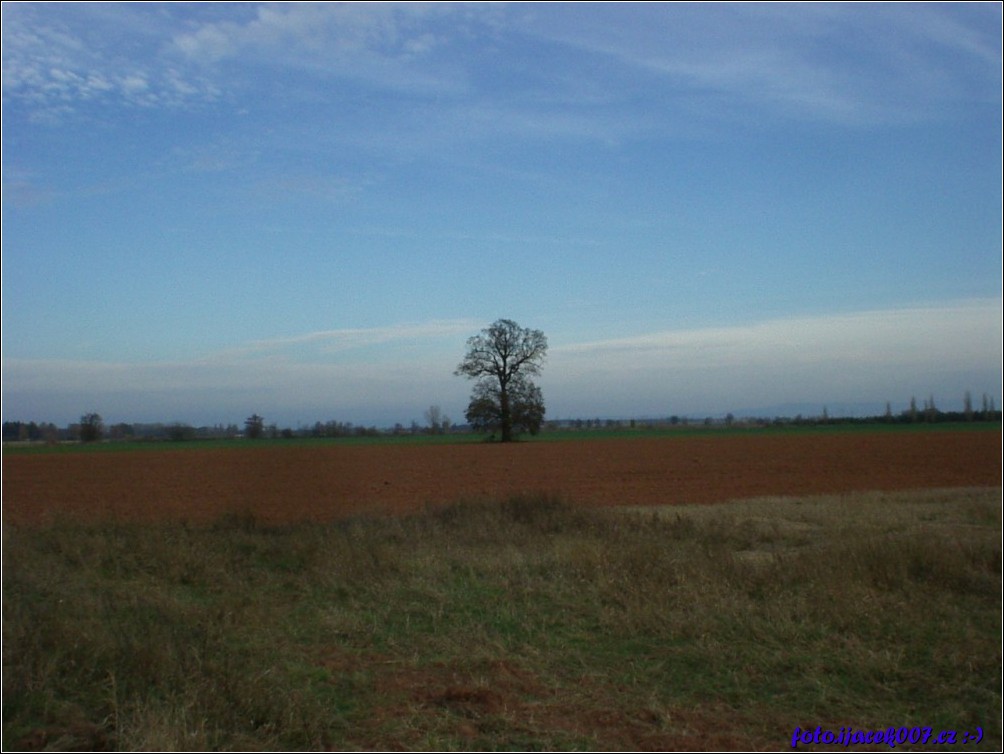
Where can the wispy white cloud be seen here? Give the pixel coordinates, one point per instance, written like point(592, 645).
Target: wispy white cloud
point(373, 42)
point(226, 390)
point(367, 375)
point(856, 358)
point(334, 341)
point(21, 187)
point(844, 63)
point(849, 64)
point(218, 156)
point(300, 184)
point(54, 62)
point(879, 335)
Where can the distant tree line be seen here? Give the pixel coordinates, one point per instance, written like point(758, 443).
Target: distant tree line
point(18, 431)
point(927, 412)
point(91, 427)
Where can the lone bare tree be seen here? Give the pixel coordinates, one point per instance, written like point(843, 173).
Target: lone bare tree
point(501, 359)
point(438, 422)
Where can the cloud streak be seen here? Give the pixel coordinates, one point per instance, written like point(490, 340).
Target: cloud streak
point(862, 357)
point(896, 336)
point(348, 339)
point(380, 44)
point(779, 58)
point(366, 375)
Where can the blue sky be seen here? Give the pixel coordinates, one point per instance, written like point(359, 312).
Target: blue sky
point(303, 210)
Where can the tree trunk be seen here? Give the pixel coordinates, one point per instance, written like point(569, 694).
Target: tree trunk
point(505, 415)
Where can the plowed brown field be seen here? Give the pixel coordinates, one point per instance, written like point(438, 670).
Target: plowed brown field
point(279, 484)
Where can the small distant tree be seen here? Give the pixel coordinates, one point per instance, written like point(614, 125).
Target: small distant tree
point(180, 432)
point(121, 431)
point(930, 411)
point(50, 433)
point(432, 415)
point(92, 428)
point(254, 427)
point(438, 422)
point(967, 408)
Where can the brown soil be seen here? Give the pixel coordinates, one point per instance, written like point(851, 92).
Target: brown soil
point(474, 703)
point(283, 484)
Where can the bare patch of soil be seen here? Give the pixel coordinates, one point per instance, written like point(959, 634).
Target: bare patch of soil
point(284, 484)
point(479, 704)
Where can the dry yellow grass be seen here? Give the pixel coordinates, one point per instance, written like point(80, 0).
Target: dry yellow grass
point(524, 623)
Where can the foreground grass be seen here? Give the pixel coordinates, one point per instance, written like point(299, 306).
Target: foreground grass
point(526, 623)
